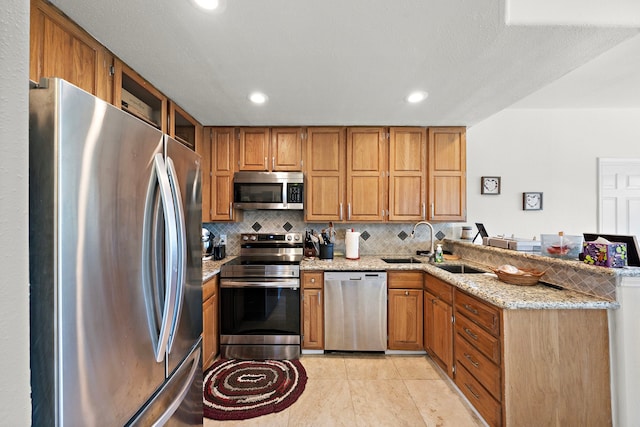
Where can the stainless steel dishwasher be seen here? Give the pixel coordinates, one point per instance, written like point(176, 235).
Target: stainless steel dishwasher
point(355, 311)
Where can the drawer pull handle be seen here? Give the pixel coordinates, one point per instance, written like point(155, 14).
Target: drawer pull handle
point(476, 395)
point(319, 298)
point(313, 280)
point(470, 359)
point(471, 334)
point(471, 309)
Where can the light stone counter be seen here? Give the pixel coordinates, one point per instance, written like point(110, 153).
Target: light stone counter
point(485, 286)
point(210, 267)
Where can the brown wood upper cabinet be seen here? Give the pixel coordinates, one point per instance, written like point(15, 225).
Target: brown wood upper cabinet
point(366, 166)
point(270, 149)
point(60, 48)
point(325, 174)
point(135, 95)
point(217, 195)
point(407, 173)
point(184, 128)
point(447, 174)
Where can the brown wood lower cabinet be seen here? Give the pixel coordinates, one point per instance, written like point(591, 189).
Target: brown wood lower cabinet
point(438, 322)
point(210, 300)
point(405, 310)
point(532, 367)
point(312, 310)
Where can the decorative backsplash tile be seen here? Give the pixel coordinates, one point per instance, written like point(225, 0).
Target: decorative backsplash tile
point(376, 239)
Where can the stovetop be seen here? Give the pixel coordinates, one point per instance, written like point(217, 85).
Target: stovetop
point(266, 255)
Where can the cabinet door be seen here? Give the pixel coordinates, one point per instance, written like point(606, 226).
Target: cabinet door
point(60, 48)
point(447, 174)
point(210, 322)
point(254, 149)
point(325, 177)
point(366, 165)
point(312, 319)
point(438, 331)
point(286, 149)
point(405, 319)
point(222, 143)
point(407, 174)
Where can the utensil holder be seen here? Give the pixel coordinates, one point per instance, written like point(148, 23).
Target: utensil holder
point(326, 251)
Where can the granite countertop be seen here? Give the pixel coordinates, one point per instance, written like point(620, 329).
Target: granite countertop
point(210, 267)
point(485, 286)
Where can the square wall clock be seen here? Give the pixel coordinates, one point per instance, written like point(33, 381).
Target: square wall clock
point(532, 201)
point(490, 185)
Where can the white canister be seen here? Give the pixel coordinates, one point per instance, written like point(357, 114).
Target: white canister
point(352, 243)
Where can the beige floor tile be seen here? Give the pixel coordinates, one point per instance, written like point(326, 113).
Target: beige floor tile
point(384, 403)
point(415, 368)
point(371, 368)
point(440, 405)
point(324, 367)
point(323, 403)
point(279, 419)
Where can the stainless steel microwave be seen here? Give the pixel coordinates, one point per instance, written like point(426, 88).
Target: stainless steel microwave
point(268, 190)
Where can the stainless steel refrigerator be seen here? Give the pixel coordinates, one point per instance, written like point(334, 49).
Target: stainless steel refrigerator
point(115, 266)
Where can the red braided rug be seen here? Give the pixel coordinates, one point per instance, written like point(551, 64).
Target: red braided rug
point(241, 389)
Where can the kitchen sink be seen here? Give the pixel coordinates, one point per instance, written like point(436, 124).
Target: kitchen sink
point(401, 260)
point(460, 269)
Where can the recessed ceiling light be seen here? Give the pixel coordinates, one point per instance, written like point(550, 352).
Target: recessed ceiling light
point(258, 98)
point(418, 96)
point(209, 5)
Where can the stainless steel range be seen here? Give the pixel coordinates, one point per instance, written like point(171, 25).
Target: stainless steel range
point(260, 298)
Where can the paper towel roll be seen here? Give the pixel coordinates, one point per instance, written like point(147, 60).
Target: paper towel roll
point(352, 243)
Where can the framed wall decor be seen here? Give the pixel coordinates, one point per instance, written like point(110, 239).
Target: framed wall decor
point(490, 185)
point(532, 201)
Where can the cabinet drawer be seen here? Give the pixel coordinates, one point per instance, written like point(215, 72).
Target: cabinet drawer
point(480, 398)
point(485, 371)
point(404, 279)
point(479, 338)
point(312, 280)
point(478, 312)
point(209, 288)
point(439, 289)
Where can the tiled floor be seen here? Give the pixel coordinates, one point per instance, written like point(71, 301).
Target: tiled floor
point(370, 390)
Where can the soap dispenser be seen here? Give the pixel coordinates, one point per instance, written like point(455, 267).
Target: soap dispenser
point(439, 255)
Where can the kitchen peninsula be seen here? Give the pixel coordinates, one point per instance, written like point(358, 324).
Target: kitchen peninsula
point(518, 352)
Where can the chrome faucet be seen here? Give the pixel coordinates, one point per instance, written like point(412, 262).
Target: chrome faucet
point(433, 237)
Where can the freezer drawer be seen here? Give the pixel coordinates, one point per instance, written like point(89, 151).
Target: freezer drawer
point(355, 311)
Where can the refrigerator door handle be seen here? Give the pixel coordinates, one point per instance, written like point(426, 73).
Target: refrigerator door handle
point(160, 338)
point(182, 248)
point(173, 406)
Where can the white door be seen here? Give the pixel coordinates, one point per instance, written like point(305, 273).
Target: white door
point(619, 196)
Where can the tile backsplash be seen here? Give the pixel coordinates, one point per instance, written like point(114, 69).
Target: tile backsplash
point(376, 239)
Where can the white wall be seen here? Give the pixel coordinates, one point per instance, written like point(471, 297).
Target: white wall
point(552, 151)
point(15, 404)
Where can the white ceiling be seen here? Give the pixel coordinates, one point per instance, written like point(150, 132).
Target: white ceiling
point(351, 62)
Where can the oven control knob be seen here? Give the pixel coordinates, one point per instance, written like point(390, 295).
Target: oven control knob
point(245, 238)
point(289, 237)
point(296, 237)
point(254, 237)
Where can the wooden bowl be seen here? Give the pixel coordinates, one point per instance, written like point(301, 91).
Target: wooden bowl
point(523, 278)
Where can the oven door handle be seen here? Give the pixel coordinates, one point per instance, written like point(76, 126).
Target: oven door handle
point(286, 283)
